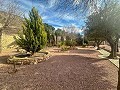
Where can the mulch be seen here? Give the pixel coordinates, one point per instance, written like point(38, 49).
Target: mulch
point(73, 70)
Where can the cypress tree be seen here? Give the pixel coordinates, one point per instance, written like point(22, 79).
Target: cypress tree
point(33, 38)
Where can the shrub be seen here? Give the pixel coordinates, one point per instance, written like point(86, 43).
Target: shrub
point(84, 45)
point(64, 48)
point(70, 43)
point(61, 44)
point(33, 38)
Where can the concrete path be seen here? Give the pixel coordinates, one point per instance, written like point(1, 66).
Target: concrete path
point(105, 54)
point(74, 70)
point(107, 47)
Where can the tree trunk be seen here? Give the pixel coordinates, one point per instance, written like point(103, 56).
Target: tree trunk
point(98, 42)
point(49, 42)
point(118, 86)
point(56, 39)
point(113, 53)
point(113, 45)
point(98, 46)
point(0, 40)
point(117, 48)
point(117, 45)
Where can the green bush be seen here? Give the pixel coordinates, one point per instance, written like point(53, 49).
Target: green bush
point(64, 48)
point(33, 38)
point(84, 45)
point(61, 44)
point(70, 43)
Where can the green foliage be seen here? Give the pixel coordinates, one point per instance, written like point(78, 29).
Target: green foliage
point(64, 48)
point(33, 38)
point(50, 30)
point(58, 32)
point(62, 39)
point(84, 45)
point(105, 24)
point(68, 38)
point(70, 43)
point(85, 41)
point(61, 44)
point(80, 41)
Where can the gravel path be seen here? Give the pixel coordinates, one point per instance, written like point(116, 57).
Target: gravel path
point(74, 70)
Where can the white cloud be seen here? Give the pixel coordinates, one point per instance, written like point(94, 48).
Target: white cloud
point(44, 17)
point(57, 19)
point(52, 3)
point(68, 17)
point(76, 2)
point(72, 28)
point(41, 6)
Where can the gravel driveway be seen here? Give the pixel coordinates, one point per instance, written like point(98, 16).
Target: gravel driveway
point(74, 70)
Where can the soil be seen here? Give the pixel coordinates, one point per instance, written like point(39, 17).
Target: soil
point(72, 70)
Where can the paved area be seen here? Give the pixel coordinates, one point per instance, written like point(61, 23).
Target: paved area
point(74, 70)
point(107, 47)
point(105, 53)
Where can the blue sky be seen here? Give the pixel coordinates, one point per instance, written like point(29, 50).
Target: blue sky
point(50, 15)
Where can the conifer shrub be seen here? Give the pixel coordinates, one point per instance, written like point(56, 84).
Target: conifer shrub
point(33, 38)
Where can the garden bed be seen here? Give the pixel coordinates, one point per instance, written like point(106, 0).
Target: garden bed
point(23, 59)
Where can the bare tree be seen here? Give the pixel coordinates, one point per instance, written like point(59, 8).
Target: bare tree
point(11, 11)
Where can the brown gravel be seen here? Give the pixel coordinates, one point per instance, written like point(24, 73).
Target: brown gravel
point(74, 70)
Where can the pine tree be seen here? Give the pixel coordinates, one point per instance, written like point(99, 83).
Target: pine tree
point(33, 38)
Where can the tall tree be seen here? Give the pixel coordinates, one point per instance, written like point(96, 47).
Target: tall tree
point(34, 37)
point(106, 23)
point(50, 30)
point(95, 36)
point(58, 32)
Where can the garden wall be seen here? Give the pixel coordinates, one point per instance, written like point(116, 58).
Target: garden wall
point(7, 40)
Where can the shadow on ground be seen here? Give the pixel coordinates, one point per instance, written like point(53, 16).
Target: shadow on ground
point(3, 59)
point(83, 51)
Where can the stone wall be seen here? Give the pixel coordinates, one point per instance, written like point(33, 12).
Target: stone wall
point(7, 40)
